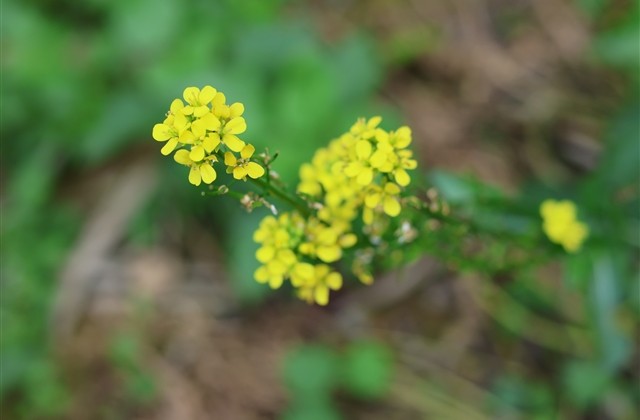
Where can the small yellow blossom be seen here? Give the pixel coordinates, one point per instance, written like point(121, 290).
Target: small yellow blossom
point(561, 225)
point(243, 167)
point(316, 287)
point(203, 131)
point(199, 171)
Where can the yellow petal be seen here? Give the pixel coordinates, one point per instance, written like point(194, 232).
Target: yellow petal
point(180, 122)
point(182, 157)
point(348, 240)
point(321, 295)
point(169, 147)
point(198, 129)
point(236, 110)
point(187, 110)
point(391, 206)
point(265, 254)
point(334, 281)
point(275, 281)
point(210, 122)
point(235, 126)
point(187, 137)
point(176, 106)
point(206, 95)
point(365, 176)
point(219, 99)
point(391, 188)
point(239, 172)
point(363, 149)
point(378, 159)
point(230, 159)
point(353, 169)
point(329, 253)
point(197, 153)
point(233, 142)
point(374, 121)
point(247, 151)
point(254, 170)
point(190, 95)
point(210, 143)
point(403, 137)
point(208, 173)
point(304, 270)
point(194, 176)
point(402, 177)
point(161, 132)
point(261, 275)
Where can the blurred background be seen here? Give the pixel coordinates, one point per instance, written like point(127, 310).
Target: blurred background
point(125, 294)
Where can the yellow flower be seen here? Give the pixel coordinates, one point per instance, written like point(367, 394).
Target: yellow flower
point(202, 143)
point(198, 100)
point(365, 129)
point(278, 239)
point(200, 171)
point(243, 167)
point(385, 199)
point(204, 129)
point(366, 161)
point(173, 129)
point(316, 287)
point(325, 242)
point(561, 226)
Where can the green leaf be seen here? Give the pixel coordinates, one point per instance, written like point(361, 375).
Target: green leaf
point(310, 372)
point(367, 369)
point(584, 382)
point(322, 409)
point(592, 7)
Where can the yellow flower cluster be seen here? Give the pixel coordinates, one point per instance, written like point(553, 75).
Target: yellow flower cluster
point(364, 169)
point(200, 129)
point(361, 172)
point(561, 225)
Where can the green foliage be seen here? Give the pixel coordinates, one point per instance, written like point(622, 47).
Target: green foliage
point(312, 373)
point(127, 357)
point(367, 369)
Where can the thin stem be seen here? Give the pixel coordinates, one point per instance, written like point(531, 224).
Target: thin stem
point(283, 195)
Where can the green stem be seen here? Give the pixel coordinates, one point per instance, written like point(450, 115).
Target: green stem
point(284, 196)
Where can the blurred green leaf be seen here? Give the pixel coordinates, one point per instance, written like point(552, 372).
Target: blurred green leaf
point(592, 7)
point(322, 409)
point(367, 369)
point(618, 47)
point(585, 382)
point(311, 372)
point(605, 295)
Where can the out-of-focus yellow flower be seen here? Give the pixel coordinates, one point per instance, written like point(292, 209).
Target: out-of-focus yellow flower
point(243, 167)
point(362, 172)
point(205, 128)
point(316, 287)
point(561, 225)
point(382, 199)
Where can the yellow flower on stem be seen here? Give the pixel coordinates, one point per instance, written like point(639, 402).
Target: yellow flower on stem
point(199, 171)
point(198, 100)
point(243, 167)
point(227, 134)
